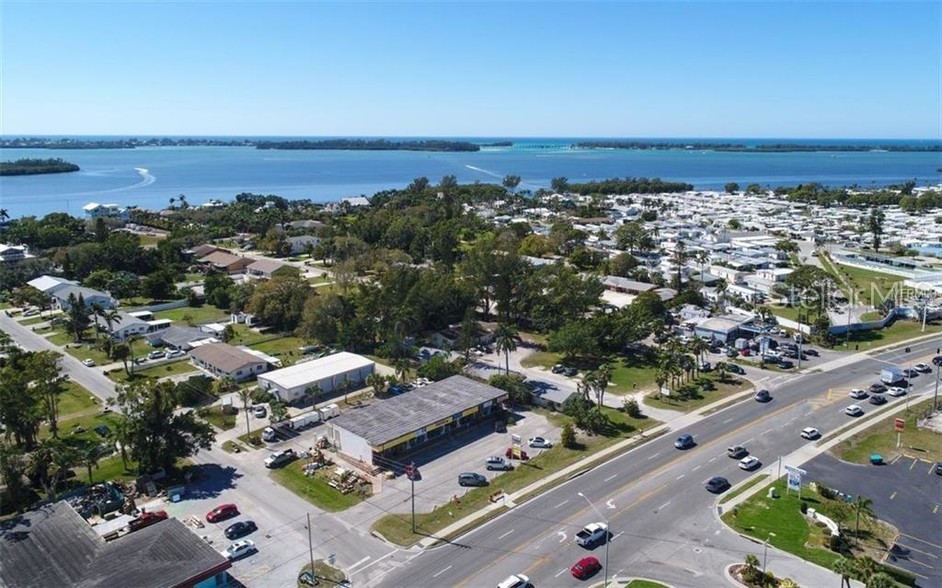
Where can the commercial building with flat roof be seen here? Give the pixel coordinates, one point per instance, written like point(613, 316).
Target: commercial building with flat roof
point(395, 426)
point(328, 373)
point(221, 359)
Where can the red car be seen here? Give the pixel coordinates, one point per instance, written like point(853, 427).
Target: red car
point(585, 567)
point(509, 454)
point(222, 512)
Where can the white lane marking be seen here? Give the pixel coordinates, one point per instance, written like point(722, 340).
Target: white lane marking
point(748, 440)
point(681, 476)
point(655, 455)
point(695, 468)
point(561, 503)
point(610, 478)
point(357, 564)
point(610, 504)
point(376, 561)
point(441, 572)
point(767, 431)
point(561, 572)
point(665, 505)
point(618, 535)
point(729, 420)
point(712, 459)
point(562, 536)
point(505, 534)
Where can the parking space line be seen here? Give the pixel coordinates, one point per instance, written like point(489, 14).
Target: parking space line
point(441, 572)
point(893, 495)
point(695, 468)
point(663, 506)
point(915, 461)
point(505, 534)
point(712, 459)
point(921, 540)
point(561, 503)
point(681, 476)
point(911, 548)
point(561, 572)
point(618, 535)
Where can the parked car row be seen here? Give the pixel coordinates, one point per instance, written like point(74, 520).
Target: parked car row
point(564, 370)
point(237, 530)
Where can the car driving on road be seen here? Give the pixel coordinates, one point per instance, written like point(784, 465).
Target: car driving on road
point(853, 410)
point(810, 433)
point(763, 396)
point(858, 394)
point(896, 391)
point(88, 362)
point(717, 484)
point(749, 463)
point(515, 581)
point(877, 400)
point(923, 368)
point(585, 568)
point(737, 451)
point(685, 441)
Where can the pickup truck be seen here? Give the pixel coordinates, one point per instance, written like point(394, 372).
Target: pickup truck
point(592, 535)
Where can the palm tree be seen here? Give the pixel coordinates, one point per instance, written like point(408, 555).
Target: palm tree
point(111, 317)
point(845, 569)
point(752, 561)
point(245, 395)
point(866, 568)
point(881, 580)
point(122, 352)
point(401, 366)
point(88, 457)
point(863, 507)
point(4, 215)
point(377, 382)
point(603, 376)
point(505, 340)
point(98, 311)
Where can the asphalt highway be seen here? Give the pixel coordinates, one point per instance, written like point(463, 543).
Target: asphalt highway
point(661, 517)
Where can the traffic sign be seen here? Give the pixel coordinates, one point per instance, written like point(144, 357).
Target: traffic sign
point(899, 425)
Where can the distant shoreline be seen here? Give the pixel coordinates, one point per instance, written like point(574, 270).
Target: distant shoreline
point(470, 145)
point(33, 167)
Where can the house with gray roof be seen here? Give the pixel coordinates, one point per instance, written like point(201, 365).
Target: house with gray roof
point(220, 360)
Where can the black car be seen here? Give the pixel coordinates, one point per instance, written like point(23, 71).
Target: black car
point(240, 529)
point(717, 484)
point(786, 364)
point(735, 369)
point(558, 368)
point(471, 479)
point(877, 388)
point(877, 400)
point(910, 373)
point(570, 371)
point(811, 352)
point(937, 360)
point(763, 396)
point(938, 468)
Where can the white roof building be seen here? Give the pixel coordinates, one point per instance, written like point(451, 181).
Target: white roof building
point(328, 373)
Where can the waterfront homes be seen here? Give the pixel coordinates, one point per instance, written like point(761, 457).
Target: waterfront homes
point(221, 360)
point(13, 254)
point(95, 210)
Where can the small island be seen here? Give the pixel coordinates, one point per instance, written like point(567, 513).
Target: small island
point(760, 148)
point(371, 145)
point(27, 167)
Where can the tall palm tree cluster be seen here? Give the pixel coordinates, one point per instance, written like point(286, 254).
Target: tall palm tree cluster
point(678, 364)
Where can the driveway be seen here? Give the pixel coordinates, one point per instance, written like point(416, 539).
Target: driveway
point(906, 494)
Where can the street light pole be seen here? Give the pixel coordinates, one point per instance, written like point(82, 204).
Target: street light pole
point(765, 555)
point(608, 532)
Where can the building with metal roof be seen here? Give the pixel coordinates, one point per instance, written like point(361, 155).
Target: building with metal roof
point(400, 424)
point(327, 373)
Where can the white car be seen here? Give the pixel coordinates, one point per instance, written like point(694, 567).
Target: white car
point(175, 353)
point(539, 443)
point(922, 367)
point(515, 581)
point(858, 394)
point(810, 433)
point(749, 463)
point(853, 410)
point(259, 411)
point(88, 362)
point(896, 391)
point(240, 549)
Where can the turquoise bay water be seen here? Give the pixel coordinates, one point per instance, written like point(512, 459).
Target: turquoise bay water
point(149, 177)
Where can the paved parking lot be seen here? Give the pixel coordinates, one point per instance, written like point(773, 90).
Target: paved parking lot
point(905, 493)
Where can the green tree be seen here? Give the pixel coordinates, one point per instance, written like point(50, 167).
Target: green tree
point(632, 408)
point(46, 383)
point(245, 396)
point(505, 341)
point(731, 187)
point(158, 285)
point(77, 321)
point(845, 569)
point(50, 463)
point(881, 580)
point(88, 456)
point(560, 185)
point(863, 509)
point(437, 368)
point(568, 436)
point(517, 392)
point(20, 410)
point(13, 466)
point(633, 237)
point(875, 226)
point(277, 411)
point(157, 434)
point(279, 302)
point(510, 182)
point(734, 224)
point(377, 382)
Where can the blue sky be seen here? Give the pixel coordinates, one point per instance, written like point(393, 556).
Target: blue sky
point(582, 69)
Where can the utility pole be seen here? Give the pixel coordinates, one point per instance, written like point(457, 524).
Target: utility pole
point(765, 555)
point(935, 396)
point(412, 484)
point(310, 545)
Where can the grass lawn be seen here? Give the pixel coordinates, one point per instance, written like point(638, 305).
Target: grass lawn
point(246, 336)
point(645, 584)
point(398, 527)
point(872, 287)
point(760, 515)
point(711, 391)
point(111, 468)
point(76, 399)
point(899, 331)
point(244, 438)
point(872, 315)
point(215, 417)
point(34, 320)
point(151, 240)
point(788, 312)
point(80, 431)
point(314, 488)
point(60, 339)
point(284, 348)
point(881, 438)
point(175, 368)
point(628, 374)
point(321, 279)
point(322, 570)
point(742, 488)
point(195, 315)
